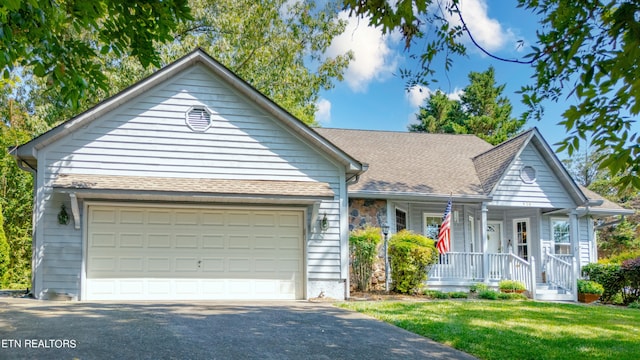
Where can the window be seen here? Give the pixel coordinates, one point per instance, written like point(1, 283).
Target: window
point(560, 234)
point(432, 224)
point(401, 220)
point(521, 228)
point(198, 118)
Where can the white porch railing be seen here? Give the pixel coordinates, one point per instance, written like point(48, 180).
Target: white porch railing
point(470, 267)
point(559, 271)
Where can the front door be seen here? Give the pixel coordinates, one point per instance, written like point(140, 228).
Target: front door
point(521, 234)
point(494, 237)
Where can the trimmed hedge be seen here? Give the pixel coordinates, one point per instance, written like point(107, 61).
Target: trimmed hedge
point(410, 255)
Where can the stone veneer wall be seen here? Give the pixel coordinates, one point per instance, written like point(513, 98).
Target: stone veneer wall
point(363, 212)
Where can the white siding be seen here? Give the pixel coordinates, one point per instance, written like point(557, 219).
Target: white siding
point(148, 136)
point(545, 192)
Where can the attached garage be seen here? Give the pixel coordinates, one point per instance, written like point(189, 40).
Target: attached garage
point(166, 253)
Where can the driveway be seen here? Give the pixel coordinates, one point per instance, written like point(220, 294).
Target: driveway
point(202, 330)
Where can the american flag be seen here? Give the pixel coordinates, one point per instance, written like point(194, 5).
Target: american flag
point(444, 235)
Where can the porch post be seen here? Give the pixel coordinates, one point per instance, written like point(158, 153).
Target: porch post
point(485, 241)
point(574, 234)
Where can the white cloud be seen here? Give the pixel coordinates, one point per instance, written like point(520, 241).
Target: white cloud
point(373, 58)
point(323, 114)
point(417, 95)
point(487, 32)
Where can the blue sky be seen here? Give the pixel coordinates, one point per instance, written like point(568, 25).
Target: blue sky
point(373, 96)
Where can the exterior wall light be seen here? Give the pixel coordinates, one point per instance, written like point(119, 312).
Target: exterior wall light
point(324, 223)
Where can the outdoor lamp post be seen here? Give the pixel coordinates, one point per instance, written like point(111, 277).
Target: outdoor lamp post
point(385, 232)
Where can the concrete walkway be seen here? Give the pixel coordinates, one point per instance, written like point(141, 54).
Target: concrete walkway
point(202, 330)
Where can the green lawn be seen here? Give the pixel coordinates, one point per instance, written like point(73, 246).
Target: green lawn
point(517, 329)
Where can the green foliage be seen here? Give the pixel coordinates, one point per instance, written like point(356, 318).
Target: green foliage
point(478, 287)
point(494, 330)
point(608, 275)
point(56, 47)
point(458, 295)
point(589, 287)
point(511, 285)
point(587, 50)
point(481, 110)
point(363, 246)
point(619, 258)
point(488, 294)
point(619, 241)
point(16, 192)
point(410, 255)
point(435, 294)
point(634, 305)
point(631, 271)
point(511, 296)
point(4, 253)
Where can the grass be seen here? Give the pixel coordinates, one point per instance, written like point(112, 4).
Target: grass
point(517, 329)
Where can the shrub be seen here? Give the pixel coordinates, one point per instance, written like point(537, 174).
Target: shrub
point(458, 295)
point(511, 285)
point(608, 275)
point(478, 287)
point(634, 305)
point(411, 255)
point(619, 258)
point(631, 273)
point(589, 287)
point(363, 246)
point(4, 254)
point(435, 294)
point(511, 296)
point(488, 294)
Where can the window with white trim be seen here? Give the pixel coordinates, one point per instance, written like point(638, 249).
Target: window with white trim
point(560, 235)
point(432, 223)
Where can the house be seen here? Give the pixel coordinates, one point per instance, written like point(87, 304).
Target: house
point(188, 185)
point(193, 185)
point(517, 213)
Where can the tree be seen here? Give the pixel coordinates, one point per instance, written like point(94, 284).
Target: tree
point(435, 115)
point(481, 110)
point(588, 49)
point(47, 39)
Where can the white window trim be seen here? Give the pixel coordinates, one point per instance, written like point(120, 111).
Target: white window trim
point(406, 217)
point(552, 238)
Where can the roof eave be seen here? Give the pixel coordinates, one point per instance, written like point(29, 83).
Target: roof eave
point(415, 196)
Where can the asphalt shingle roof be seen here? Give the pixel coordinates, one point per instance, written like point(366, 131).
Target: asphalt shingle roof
point(190, 185)
point(407, 162)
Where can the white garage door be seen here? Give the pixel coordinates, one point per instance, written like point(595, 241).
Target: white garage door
point(153, 253)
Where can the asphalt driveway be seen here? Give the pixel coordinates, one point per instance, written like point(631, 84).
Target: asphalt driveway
point(33, 329)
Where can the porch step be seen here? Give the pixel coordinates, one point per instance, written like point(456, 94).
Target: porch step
point(546, 292)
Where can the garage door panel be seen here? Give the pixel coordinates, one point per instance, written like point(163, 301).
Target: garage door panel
point(103, 239)
point(143, 253)
point(159, 240)
point(213, 241)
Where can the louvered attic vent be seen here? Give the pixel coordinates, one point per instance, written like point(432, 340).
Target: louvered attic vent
point(198, 118)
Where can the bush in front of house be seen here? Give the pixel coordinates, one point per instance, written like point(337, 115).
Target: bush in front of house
point(610, 276)
point(458, 295)
point(435, 294)
point(411, 255)
point(511, 286)
point(631, 273)
point(363, 248)
point(478, 287)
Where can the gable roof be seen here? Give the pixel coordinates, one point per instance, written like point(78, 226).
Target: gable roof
point(410, 165)
point(28, 152)
point(493, 164)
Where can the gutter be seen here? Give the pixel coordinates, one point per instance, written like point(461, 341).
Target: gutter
point(23, 165)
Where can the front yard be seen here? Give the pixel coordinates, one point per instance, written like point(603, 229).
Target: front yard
point(517, 329)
